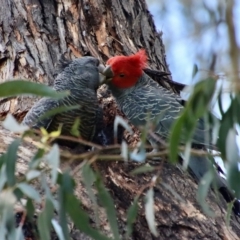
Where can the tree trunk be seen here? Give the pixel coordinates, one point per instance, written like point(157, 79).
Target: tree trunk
point(33, 36)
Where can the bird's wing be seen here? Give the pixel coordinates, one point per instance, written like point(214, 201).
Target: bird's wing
point(33, 117)
point(91, 117)
point(157, 104)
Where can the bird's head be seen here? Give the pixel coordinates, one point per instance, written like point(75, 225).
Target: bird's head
point(81, 73)
point(124, 71)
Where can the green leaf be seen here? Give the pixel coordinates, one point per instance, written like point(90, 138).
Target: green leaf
point(232, 154)
point(32, 174)
point(199, 101)
point(120, 121)
point(3, 175)
point(30, 208)
point(44, 220)
point(108, 204)
point(19, 234)
point(18, 194)
point(58, 229)
point(131, 215)
point(237, 106)
point(225, 125)
point(53, 159)
point(48, 192)
point(75, 128)
point(81, 219)
point(2, 160)
point(7, 226)
point(89, 178)
point(233, 177)
point(124, 150)
point(175, 137)
point(149, 212)
point(202, 192)
point(139, 153)
point(29, 191)
point(36, 159)
point(20, 87)
point(66, 182)
point(11, 124)
point(186, 155)
point(11, 159)
point(142, 169)
point(229, 211)
point(67, 185)
point(195, 70)
point(219, 100)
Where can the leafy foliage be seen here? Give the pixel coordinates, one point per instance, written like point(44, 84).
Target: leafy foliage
point(17, 87)
point(63, 203)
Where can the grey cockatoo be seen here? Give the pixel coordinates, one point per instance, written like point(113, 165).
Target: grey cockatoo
point(81, 77)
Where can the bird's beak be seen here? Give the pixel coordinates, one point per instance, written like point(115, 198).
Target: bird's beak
point(102, 78)
point(101, 68)
point(106, 73)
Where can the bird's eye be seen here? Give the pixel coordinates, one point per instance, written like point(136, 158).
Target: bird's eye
point(121, 75)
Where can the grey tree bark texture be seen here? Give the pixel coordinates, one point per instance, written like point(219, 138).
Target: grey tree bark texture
point(33, 36)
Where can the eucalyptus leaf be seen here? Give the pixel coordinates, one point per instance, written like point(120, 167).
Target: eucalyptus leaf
point(58, 229)
point(175, 138)
point(108, 204)
point(7, 226)
point(35, 161)
point(21, 87)
point(44, 220)
point(202, 192)
point(3, 176)
point(139, 153)
point(53, 159)
point(11, 159)
point(233, 177)
point(64, 190)
point(48, 193)
point(149, 212)
point(75, 127)
point(81, 218)
point(32, 174)
point(229, 211)
point(120, 121)
point(195, 70)
point(124, 150)
point(19, 234)
point(89, 178)
point(131, 215)
point(29, 191)
point(143, 169)
point(30, 208)
point(186, 155)
point(11, 124)
point(232, 152)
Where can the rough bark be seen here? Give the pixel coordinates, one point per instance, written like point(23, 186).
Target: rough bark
point(34, 34)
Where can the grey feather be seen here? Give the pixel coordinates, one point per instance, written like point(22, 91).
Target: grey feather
point(81, 78)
